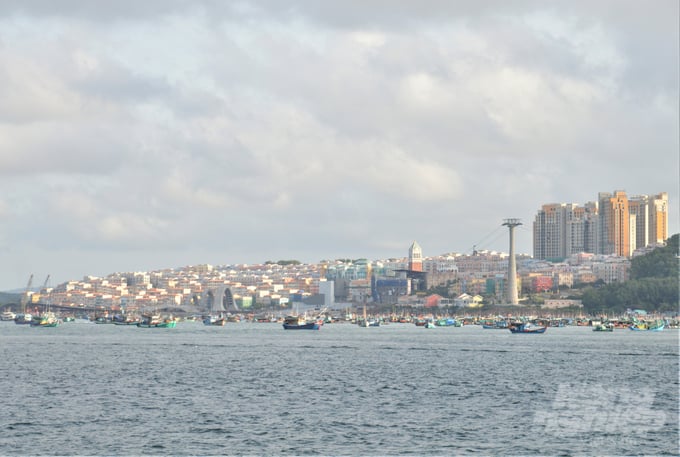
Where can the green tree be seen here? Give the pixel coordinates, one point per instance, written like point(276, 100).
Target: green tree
point(661, 262)
point(654, 284)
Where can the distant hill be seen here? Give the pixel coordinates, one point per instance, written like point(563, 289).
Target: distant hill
point(9, 297)
point(653, 286)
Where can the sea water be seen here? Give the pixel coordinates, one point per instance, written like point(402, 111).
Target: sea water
point(398, 389)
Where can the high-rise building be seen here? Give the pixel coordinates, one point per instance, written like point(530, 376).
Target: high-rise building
point(549, 232)
point(562, 229)
point(591, 228)
point(658, 218)
point(638, 208)
point(614, 224)
point(415, 257)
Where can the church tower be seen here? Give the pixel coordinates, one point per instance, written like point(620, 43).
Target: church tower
point(415, 257)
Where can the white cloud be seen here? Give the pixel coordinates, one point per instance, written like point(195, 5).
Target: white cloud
point(134, 126)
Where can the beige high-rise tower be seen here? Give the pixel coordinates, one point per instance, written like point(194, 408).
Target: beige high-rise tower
point(658, 218)
point(615, 223)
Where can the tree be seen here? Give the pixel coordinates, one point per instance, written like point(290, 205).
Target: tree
point(661, 262)
point(653, 286)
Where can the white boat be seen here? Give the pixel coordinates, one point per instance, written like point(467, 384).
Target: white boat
point(7, 316)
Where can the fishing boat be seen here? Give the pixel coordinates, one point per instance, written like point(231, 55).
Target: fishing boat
point(368, 322)
point(429, 324)
point(608, 327)
point(299, 323)
point(7, 316)
point(126, 319)
point(526, 327)
point(216, 321)
point(155, 321)
point(495, 325)
point(167, 323)
point(448, 322)
point(47, 319)
point(641, 326)
point(23, 319)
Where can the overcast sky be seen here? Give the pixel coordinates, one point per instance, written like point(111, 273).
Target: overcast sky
point(139, 135)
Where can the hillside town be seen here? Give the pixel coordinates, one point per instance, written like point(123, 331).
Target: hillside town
point(472, 280)
point(574, 246)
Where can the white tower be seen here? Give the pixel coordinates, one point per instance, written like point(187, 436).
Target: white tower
point(513, 298)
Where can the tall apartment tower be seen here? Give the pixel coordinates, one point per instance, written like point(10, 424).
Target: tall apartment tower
point(591, 227)
point(549, 232)
point(415, 257)
point(658, 218)
point(562, 229)
point(615, 223)
point(638, 208)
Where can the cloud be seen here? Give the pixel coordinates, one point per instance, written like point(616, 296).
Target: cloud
point(217, 132)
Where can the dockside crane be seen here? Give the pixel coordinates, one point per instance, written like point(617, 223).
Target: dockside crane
point(24, 297)
point(44, 287)
point(44, 296)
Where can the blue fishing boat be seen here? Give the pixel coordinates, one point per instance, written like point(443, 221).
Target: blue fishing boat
point(526, 327)
point(448, 322)
point(299, 323)
point(496, 325)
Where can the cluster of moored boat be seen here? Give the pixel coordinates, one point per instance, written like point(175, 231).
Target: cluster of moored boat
point(49, 319)
point(302, 322)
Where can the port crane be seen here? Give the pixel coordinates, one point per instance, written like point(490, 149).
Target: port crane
point(44, 287)
point(25, 295)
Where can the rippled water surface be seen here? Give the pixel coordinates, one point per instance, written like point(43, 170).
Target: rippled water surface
point(86, 389)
